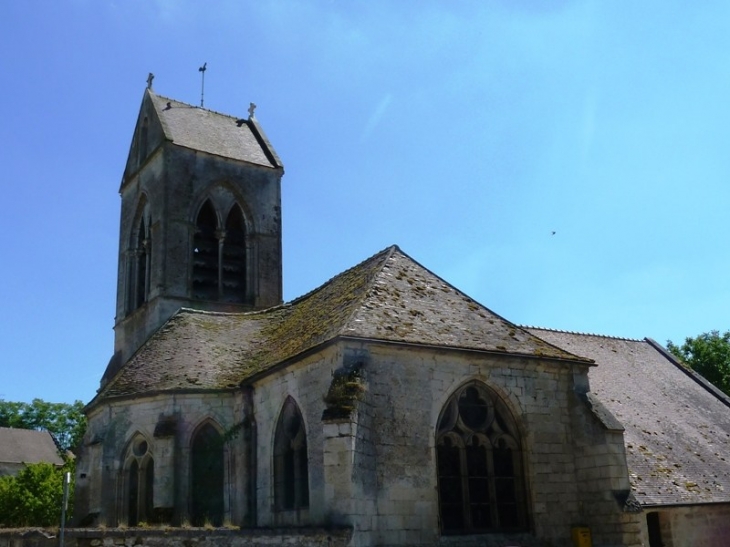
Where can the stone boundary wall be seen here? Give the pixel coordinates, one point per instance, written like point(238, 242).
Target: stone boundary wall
point(176, 537)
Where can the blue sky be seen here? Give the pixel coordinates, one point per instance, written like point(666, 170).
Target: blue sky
point(466, 132)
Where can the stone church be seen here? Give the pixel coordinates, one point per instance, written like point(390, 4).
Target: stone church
point(385, 402)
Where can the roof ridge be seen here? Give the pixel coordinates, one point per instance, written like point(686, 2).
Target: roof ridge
point(469, 299)
point(625, 338)
point(386, 254)
point(387, 251)
point(194, 106)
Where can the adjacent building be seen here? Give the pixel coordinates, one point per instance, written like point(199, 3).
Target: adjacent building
point(19, 447)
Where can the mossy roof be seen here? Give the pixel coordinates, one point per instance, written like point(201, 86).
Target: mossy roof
point(388, 297)
point(676, 425)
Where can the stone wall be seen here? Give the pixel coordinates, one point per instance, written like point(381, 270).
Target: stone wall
point(376, 470)
point(697, 525)
point(177, 537)
point(306, 382)
point(100, 487)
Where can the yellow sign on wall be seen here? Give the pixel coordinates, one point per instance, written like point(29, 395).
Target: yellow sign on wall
point(582, 537)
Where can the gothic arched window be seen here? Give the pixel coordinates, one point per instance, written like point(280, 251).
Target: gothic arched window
point(234, 257)
point(291, 470)
point(139, 264)
point(479, 461)
point(140, 480)
point(206, 485)
point(205, 254)
point(219, 256)
point(140, 288)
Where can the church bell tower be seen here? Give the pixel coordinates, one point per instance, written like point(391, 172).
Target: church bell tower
point(200, 222)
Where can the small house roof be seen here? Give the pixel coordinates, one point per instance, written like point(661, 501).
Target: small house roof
point(388, 298)
point(28, 446)
point(677, 426)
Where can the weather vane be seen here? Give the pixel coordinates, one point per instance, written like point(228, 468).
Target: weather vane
point(202, 89)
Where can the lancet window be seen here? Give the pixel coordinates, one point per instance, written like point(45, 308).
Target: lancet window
point(479, 460)
point(140, 479)
point(219, 256)
point(138, 284)
point(291, 470)
point(207, 477)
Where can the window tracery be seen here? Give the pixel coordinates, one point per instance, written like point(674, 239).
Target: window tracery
point(140, 479)
point(479, 462)
point(219, 256)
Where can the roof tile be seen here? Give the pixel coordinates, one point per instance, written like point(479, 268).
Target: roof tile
point(27, 446)
point(388, 297)
point(677, 432)
point(208, 131)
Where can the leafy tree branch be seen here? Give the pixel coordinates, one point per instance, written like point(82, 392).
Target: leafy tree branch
point(707, 354)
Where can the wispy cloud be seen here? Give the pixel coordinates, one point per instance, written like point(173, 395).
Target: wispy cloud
point(376, 116)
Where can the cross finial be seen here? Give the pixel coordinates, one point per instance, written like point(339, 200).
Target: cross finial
point(251, 108)
point(150, 77)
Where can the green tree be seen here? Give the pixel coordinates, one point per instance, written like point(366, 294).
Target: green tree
point(34, 497)
point(708, 354)
point(66, 422)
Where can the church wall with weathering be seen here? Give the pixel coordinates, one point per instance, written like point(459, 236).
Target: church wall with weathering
point(166, 423)
point(698, 525)
point(376, 469)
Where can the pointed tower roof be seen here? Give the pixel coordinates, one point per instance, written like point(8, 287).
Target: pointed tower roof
point(208, 131)
point(204, 130)
point(388, 298)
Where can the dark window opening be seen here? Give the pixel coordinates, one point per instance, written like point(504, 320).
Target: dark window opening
point(653, 525)
point(149, 484)
point(140, 491)
point(219, 256)
point(291, 469)
point(205, 254)
point(480, 481)
point(207, 477)
point(139, 262)
point(234, 257)
point(141, 277)
point(133, 517)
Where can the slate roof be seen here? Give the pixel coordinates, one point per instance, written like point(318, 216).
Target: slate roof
point(27, 446)
point(677, 426)
point(208, 131)
point(388, 297)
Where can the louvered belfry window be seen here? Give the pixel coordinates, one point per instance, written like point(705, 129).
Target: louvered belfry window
point(479, 460)
point(219, 256)
point(205, 254)
point(234, 257)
